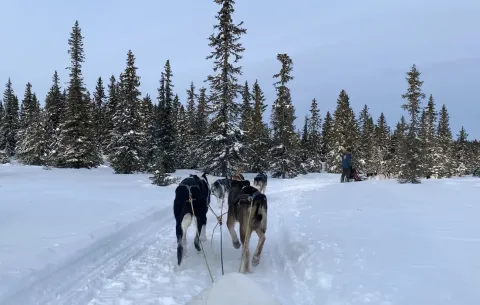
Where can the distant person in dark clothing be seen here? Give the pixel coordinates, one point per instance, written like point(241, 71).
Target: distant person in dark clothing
point(346, 166)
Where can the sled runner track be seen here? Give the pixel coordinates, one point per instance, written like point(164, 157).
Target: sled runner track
point(75, 280)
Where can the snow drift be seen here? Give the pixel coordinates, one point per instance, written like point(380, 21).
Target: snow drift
point(234, 289)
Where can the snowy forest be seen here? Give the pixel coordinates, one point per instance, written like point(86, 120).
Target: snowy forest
point(220, 127)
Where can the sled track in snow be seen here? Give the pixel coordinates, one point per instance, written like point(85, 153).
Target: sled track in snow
point(75, 280)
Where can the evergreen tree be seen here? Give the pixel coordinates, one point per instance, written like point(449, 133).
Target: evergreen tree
point(285, 161)
point(366, 148)
point(345, 133)
point(159, 122)
point(3, 155)
point(412, 154)
point(129, 138)
point(191, 131)
point(444, 146)
point(314, 141)
point(246, 121)
point(99, 99)
point(422, 134)
point(463, 160)
point(109, 112)
point(304, 143)
point(31, 147)
point(202, 125)
point(429, 141)
point(222, 145)
point(328, 140)
point(182, 153)
point(160, 177)
point(53, 115)
point(168, 117)
point(77, 144)
point(381, 152)
point(11, 119)
point(398, 144)
point(259, 157)
point(27, 110)
point(475, 153)
point(147, 117)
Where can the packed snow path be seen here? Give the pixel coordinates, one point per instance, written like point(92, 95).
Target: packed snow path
point(372, 242)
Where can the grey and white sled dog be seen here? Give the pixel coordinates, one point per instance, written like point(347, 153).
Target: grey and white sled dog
point(260, 182)
point(220, 188)
point(248, 206)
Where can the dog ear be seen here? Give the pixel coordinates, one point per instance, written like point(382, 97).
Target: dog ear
point(246, 182)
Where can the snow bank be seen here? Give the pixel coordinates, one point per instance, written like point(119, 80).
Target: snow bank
point(234, 289)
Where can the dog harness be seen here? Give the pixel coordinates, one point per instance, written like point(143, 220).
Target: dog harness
point(248, 197)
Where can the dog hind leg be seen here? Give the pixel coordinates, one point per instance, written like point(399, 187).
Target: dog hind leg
point(258, 250)
point(246, 248)
point(231, 229)
point(181, 231)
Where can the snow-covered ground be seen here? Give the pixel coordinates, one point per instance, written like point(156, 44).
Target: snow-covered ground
point(90, 237)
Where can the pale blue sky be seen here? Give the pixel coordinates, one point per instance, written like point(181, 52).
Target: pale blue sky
point(364, 47)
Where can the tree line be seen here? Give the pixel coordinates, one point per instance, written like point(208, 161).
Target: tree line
point(222, 129)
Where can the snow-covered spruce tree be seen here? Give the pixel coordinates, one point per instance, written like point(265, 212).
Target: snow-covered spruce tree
point(303, 149)
point(11, 119)
point(179, 119)
point(284, 151)
point(77, 144)
point(27, 107)
point(397, 143)
point(109, 111)
point(475, 152)
point(411, 168)
point(246, 125)
point(445, 145)
point(463, 160)
point(129, 138)
point(366, 141)
point(429, 141)
point(222, 146)
point(202, 125)
point(4, 158)
point(314, 146)
point(99, 100)
point(147, 120)
point(328, 140)
point(382, 146)
point(190, 131)
point(160, 177)
point(260, 143)
point(159, 122)
point(345, 134)
point(53, 113)
point(182, 153)
point(168, 117)
point(31, 147)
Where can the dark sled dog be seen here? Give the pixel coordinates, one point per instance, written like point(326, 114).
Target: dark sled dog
point(260, 182)
point(240, 198)
point(199, 189)
point(220, 188)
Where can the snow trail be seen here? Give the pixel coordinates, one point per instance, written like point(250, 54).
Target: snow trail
point(371, 242)
point(75, 280)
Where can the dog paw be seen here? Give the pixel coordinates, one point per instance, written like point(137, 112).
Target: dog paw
point(236, 244)
point(196, 243)
point(255, 260)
